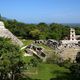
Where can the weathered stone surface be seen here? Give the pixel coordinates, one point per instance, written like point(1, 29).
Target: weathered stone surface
point(36, 50)
point(1, 25)
point(52, 43)
point(40, 41)
point(69, 53)
point(7, 34)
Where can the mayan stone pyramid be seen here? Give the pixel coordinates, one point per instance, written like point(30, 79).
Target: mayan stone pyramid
point(7, 34)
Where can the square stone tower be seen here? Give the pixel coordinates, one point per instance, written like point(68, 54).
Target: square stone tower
point(72, 34)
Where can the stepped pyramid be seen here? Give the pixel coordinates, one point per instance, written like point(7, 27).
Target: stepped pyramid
point(7, 34)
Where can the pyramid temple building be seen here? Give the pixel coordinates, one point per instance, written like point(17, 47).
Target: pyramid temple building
point(7, 34)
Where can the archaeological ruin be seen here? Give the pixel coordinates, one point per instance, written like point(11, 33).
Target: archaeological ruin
point(7, 34)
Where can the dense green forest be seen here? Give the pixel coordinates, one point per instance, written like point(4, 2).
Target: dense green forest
point(38, 31)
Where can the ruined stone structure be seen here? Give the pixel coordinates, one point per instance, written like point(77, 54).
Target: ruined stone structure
point(52, 43)
point(72, 34)
point(70, 48)
point(36, 51)
point(72, 39)
point(7, 34)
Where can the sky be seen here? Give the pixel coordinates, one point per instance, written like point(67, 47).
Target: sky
point(35, 11)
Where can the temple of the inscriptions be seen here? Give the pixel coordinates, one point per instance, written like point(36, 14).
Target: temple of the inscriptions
point(7, 34)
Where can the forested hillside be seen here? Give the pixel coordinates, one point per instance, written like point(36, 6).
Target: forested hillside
point(38, 31)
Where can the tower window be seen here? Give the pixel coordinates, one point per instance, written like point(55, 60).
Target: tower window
point(72, 31)
point(72, 35)
point(72, 38)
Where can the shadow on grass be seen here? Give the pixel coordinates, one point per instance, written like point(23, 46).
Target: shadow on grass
point(64, 76)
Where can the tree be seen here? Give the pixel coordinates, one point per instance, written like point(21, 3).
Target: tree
point(35, 34)
point(42, 27)
point(10, 60)
point(75, 68)
point(75, 71)
point(0, 17)
point(78, 57)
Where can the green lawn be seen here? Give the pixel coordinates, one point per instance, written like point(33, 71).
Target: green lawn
point(27, 42)
point(45, 71)
point(27, 58)
point(44, 46)
point(47, 49)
